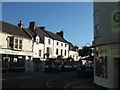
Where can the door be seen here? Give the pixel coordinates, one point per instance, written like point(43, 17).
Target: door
point(5, 63)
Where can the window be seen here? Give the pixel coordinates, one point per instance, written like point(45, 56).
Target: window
point(57, 43)
point(20, 44)
point(39, 52)
point(61, 52)
point(96, 21)
point(16, 43)
point(56, 51)
point(101, 64)
point(61, 44)
point(48, 49)
point(11, 42)
point(37, 39)
point(48, 41)
point(65, 52)
point(65, 45)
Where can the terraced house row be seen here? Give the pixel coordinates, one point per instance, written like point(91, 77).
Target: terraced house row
point(20, 47)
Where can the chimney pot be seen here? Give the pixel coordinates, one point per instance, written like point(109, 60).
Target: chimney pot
point(32, 25)
point(20, 24)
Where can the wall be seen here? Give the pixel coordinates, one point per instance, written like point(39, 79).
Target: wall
point(59, 47)
point(104, 19)
point(48, 45)
point(36, 49)
point(75, 57)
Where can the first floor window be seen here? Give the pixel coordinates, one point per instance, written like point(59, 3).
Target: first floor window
point(16, 43)
point(11, 42)
point(61, 52)
point(65, 52)
point(48, 41)
point(20, 44)
point(39, 52)
point(56, 51)
point(48, 49)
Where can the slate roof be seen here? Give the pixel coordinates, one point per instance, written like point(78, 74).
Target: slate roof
point(72, 47)
point(13, 30)
point(38, 32)
point(55, 36)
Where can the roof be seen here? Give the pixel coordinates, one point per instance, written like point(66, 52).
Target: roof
point(38, 32)
point(56, 37)
point(12, 29)
point(72, 47)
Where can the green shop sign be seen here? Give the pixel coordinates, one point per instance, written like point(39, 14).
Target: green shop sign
point(115, 20)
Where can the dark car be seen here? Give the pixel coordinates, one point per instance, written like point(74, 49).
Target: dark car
point(56, 66)
point(85, 71)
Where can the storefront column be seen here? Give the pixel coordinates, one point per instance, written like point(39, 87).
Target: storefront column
point(110, 66)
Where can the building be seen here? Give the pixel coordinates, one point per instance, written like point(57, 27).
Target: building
point(107, 44)
point(23, 48)
point(54, 44)
point(15, 48)
point(73, 52)
point(60, 45)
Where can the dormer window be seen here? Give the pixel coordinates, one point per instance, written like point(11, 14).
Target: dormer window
point(37, 39)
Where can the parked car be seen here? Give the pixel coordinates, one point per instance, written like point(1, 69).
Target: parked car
point(56, 66)
point(85, 71)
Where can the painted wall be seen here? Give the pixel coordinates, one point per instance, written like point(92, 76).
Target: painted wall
point(60, 47)
point(36, 49)
point(104, 16)
point(74, 55)
point(48, 45)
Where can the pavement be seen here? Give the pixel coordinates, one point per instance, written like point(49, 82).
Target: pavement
point(87, 83)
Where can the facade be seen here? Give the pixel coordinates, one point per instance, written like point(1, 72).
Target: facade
point(73, 52)
point(60, 45)
point(23, 48)
point(107, 44)
point(16, 48)
point(54, 44)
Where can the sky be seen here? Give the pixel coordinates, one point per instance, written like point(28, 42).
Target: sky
point(75, 18)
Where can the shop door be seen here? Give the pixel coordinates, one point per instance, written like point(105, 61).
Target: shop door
point(5, 63)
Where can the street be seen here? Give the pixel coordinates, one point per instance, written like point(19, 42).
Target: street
point(38, 79)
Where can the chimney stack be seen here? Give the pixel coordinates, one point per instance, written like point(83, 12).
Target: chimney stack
point(61, 33)
point(32, 25)
point(43, 28)
point(20, 24)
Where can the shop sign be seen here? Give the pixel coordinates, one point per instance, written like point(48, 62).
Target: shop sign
point(115, 20)
point(11, 52)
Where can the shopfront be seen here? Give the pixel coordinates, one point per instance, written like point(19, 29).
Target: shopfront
point(13, 63)
point(16, 61)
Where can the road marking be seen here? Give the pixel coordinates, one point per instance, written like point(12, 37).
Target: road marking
point(24, 77)
point(47, 83)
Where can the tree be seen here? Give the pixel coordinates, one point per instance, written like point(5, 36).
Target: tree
point(85, 51)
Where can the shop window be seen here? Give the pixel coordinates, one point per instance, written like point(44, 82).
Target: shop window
point(101, 66)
